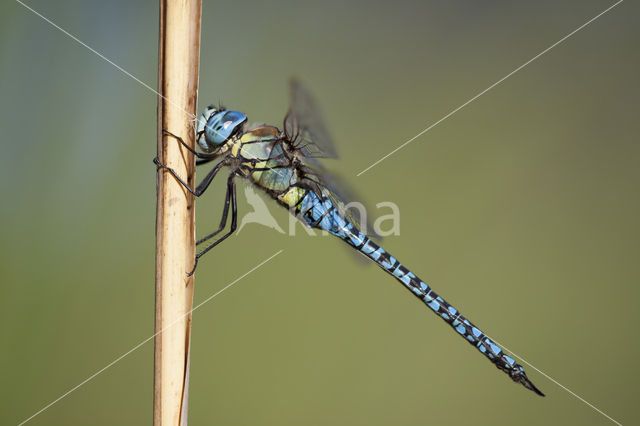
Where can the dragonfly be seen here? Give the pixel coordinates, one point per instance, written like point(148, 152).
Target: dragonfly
point(284, 164)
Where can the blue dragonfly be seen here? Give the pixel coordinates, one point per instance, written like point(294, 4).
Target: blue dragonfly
point(283, 163)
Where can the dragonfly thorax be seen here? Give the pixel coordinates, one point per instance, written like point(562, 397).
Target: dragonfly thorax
point(216, 126)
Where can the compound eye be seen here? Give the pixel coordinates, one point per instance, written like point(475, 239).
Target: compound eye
point(222, 125)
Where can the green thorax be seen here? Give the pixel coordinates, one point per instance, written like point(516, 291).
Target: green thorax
point(266, 159)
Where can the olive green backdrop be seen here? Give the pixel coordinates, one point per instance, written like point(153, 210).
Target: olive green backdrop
point(521, 209)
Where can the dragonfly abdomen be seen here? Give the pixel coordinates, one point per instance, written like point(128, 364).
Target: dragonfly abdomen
point(321, 213)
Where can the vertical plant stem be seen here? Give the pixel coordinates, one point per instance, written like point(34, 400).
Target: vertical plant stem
point(178, 65)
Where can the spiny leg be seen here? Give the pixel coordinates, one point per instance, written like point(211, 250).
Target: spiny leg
point(202, 186)
point(203, 161)
point(202, 158)
point(231, 187)
point(184, 144)
point(223, 220)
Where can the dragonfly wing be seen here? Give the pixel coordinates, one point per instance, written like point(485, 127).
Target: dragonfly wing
point(304, 125)
point(305, 129)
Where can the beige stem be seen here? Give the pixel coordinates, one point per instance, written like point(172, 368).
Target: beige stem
point(175, 222)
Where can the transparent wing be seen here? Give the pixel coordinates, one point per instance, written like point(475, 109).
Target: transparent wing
point(305, 129)
point(304, 126)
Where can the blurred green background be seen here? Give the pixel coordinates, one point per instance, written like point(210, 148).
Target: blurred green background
point(521, 209)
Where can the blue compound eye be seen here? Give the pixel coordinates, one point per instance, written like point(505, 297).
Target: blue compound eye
point(220, 126)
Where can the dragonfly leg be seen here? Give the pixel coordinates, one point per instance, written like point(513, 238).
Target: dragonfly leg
point(223, 220)
point(204, 161)
point(191, 150)
point(202, 186)
point(231, 188)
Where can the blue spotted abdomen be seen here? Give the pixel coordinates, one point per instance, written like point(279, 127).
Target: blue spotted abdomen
point(319, 212)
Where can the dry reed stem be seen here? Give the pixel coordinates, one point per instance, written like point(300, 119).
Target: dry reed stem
point(175, 222)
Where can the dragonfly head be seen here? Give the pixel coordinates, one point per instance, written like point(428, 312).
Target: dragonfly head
point(216, 126)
